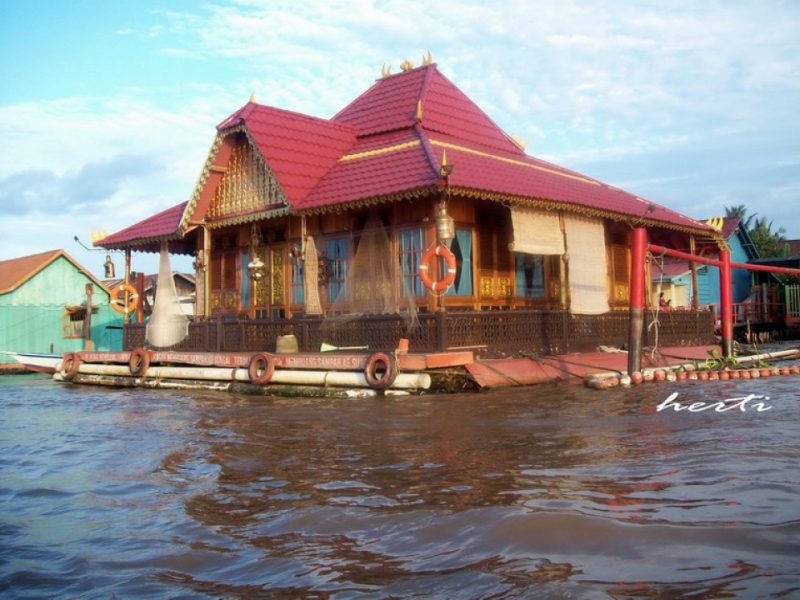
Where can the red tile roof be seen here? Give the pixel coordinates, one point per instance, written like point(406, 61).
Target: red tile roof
point(485, 159)
point(390, 104)
point(298, 149)
point(389, 163)
point(16, 271)
point(163, 225)
point(389, 142)
point(672, 268)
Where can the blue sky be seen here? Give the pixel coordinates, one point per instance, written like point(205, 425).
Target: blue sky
point(107, 109)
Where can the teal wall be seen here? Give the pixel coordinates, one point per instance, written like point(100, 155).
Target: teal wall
point(30, 316)
point(708, 277)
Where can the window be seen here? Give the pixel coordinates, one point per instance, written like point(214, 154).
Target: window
point(337, 252)
point(410, 246)
point(223, 263)
point(72, 321)
point(530, 276)
point(461, 247)
point(229, 270)
point(297, 281)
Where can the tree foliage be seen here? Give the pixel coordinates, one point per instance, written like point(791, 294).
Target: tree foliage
point(767, 242)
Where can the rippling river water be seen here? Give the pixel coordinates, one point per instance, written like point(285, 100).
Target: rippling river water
point(552, 492)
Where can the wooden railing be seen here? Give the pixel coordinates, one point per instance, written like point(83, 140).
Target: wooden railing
point(488, 333)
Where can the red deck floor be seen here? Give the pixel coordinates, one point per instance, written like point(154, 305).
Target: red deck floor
point(574, 368)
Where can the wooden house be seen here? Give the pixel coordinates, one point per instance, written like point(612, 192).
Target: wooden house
point(541, 253)
point(49, 303)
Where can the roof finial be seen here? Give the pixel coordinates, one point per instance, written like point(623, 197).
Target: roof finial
point(443, 170)
point(386, 70)
point(96, 236)
point(406, 65)
point(520, 141)
point(418, 116)
point(716, 223)
point(427, 60)
point(252, 99)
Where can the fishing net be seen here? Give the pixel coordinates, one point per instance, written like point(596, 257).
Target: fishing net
point(168, 325)
point(375, 285)
point(313, 306)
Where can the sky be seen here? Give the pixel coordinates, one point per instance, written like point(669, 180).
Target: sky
point(108, 109)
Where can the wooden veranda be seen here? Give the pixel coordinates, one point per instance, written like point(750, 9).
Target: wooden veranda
point(487, 333)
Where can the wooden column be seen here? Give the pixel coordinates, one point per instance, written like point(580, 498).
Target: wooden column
point(206, 272)
point(140, 290)
point(693, 268)
point(636, 326)
point(87, 321)
point(126, 316)
point(726, 302)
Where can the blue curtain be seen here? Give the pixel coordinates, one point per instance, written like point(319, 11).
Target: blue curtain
point(297, 282)
point(411, 249)
point(461, 246)
point(530, 276)
point(337, 251)
point(245, 282)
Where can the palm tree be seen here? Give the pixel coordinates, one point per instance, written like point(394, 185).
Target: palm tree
point(767, 242)
point(739, 211)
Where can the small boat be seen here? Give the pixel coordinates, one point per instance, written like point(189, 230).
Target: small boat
point(34, 361)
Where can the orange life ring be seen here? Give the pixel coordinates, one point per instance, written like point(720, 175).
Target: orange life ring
point(117, 298)
point(70, 365)
point(261, 368)
point(381, 371)
point(449, 258)
point(139, 362)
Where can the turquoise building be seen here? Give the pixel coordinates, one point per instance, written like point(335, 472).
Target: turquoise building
point(43, 306)
point(676, 279)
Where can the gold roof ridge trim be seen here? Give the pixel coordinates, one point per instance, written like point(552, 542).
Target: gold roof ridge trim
point(512, 161)
point(571, 207)
point(379, 151)
point(417, 192)
point(201, 181)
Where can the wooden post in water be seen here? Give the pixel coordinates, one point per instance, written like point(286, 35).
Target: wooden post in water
point(636, 326)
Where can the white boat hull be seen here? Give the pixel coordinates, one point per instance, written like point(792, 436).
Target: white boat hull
point(42, 363)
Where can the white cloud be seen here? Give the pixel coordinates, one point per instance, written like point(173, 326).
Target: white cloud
point(674, 99)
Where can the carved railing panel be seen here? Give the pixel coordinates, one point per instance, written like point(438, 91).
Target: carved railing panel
point(489, 333)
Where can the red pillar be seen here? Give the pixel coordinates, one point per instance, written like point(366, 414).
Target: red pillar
point(726, 302)
point(636, 327)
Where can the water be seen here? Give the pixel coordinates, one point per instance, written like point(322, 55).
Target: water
point(552, 492)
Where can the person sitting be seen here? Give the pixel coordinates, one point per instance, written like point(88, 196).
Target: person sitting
point(663, 302)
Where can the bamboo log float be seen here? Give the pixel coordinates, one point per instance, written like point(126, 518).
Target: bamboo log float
point(321, 378)
point(290, 391)
point(689, 366)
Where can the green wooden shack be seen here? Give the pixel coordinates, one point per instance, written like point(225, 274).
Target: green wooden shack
point(43, 306)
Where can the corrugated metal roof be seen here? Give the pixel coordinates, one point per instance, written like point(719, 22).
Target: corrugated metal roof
point(16, 271)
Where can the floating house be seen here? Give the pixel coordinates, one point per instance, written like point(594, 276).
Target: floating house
point(49, 303)
point(408, 214)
